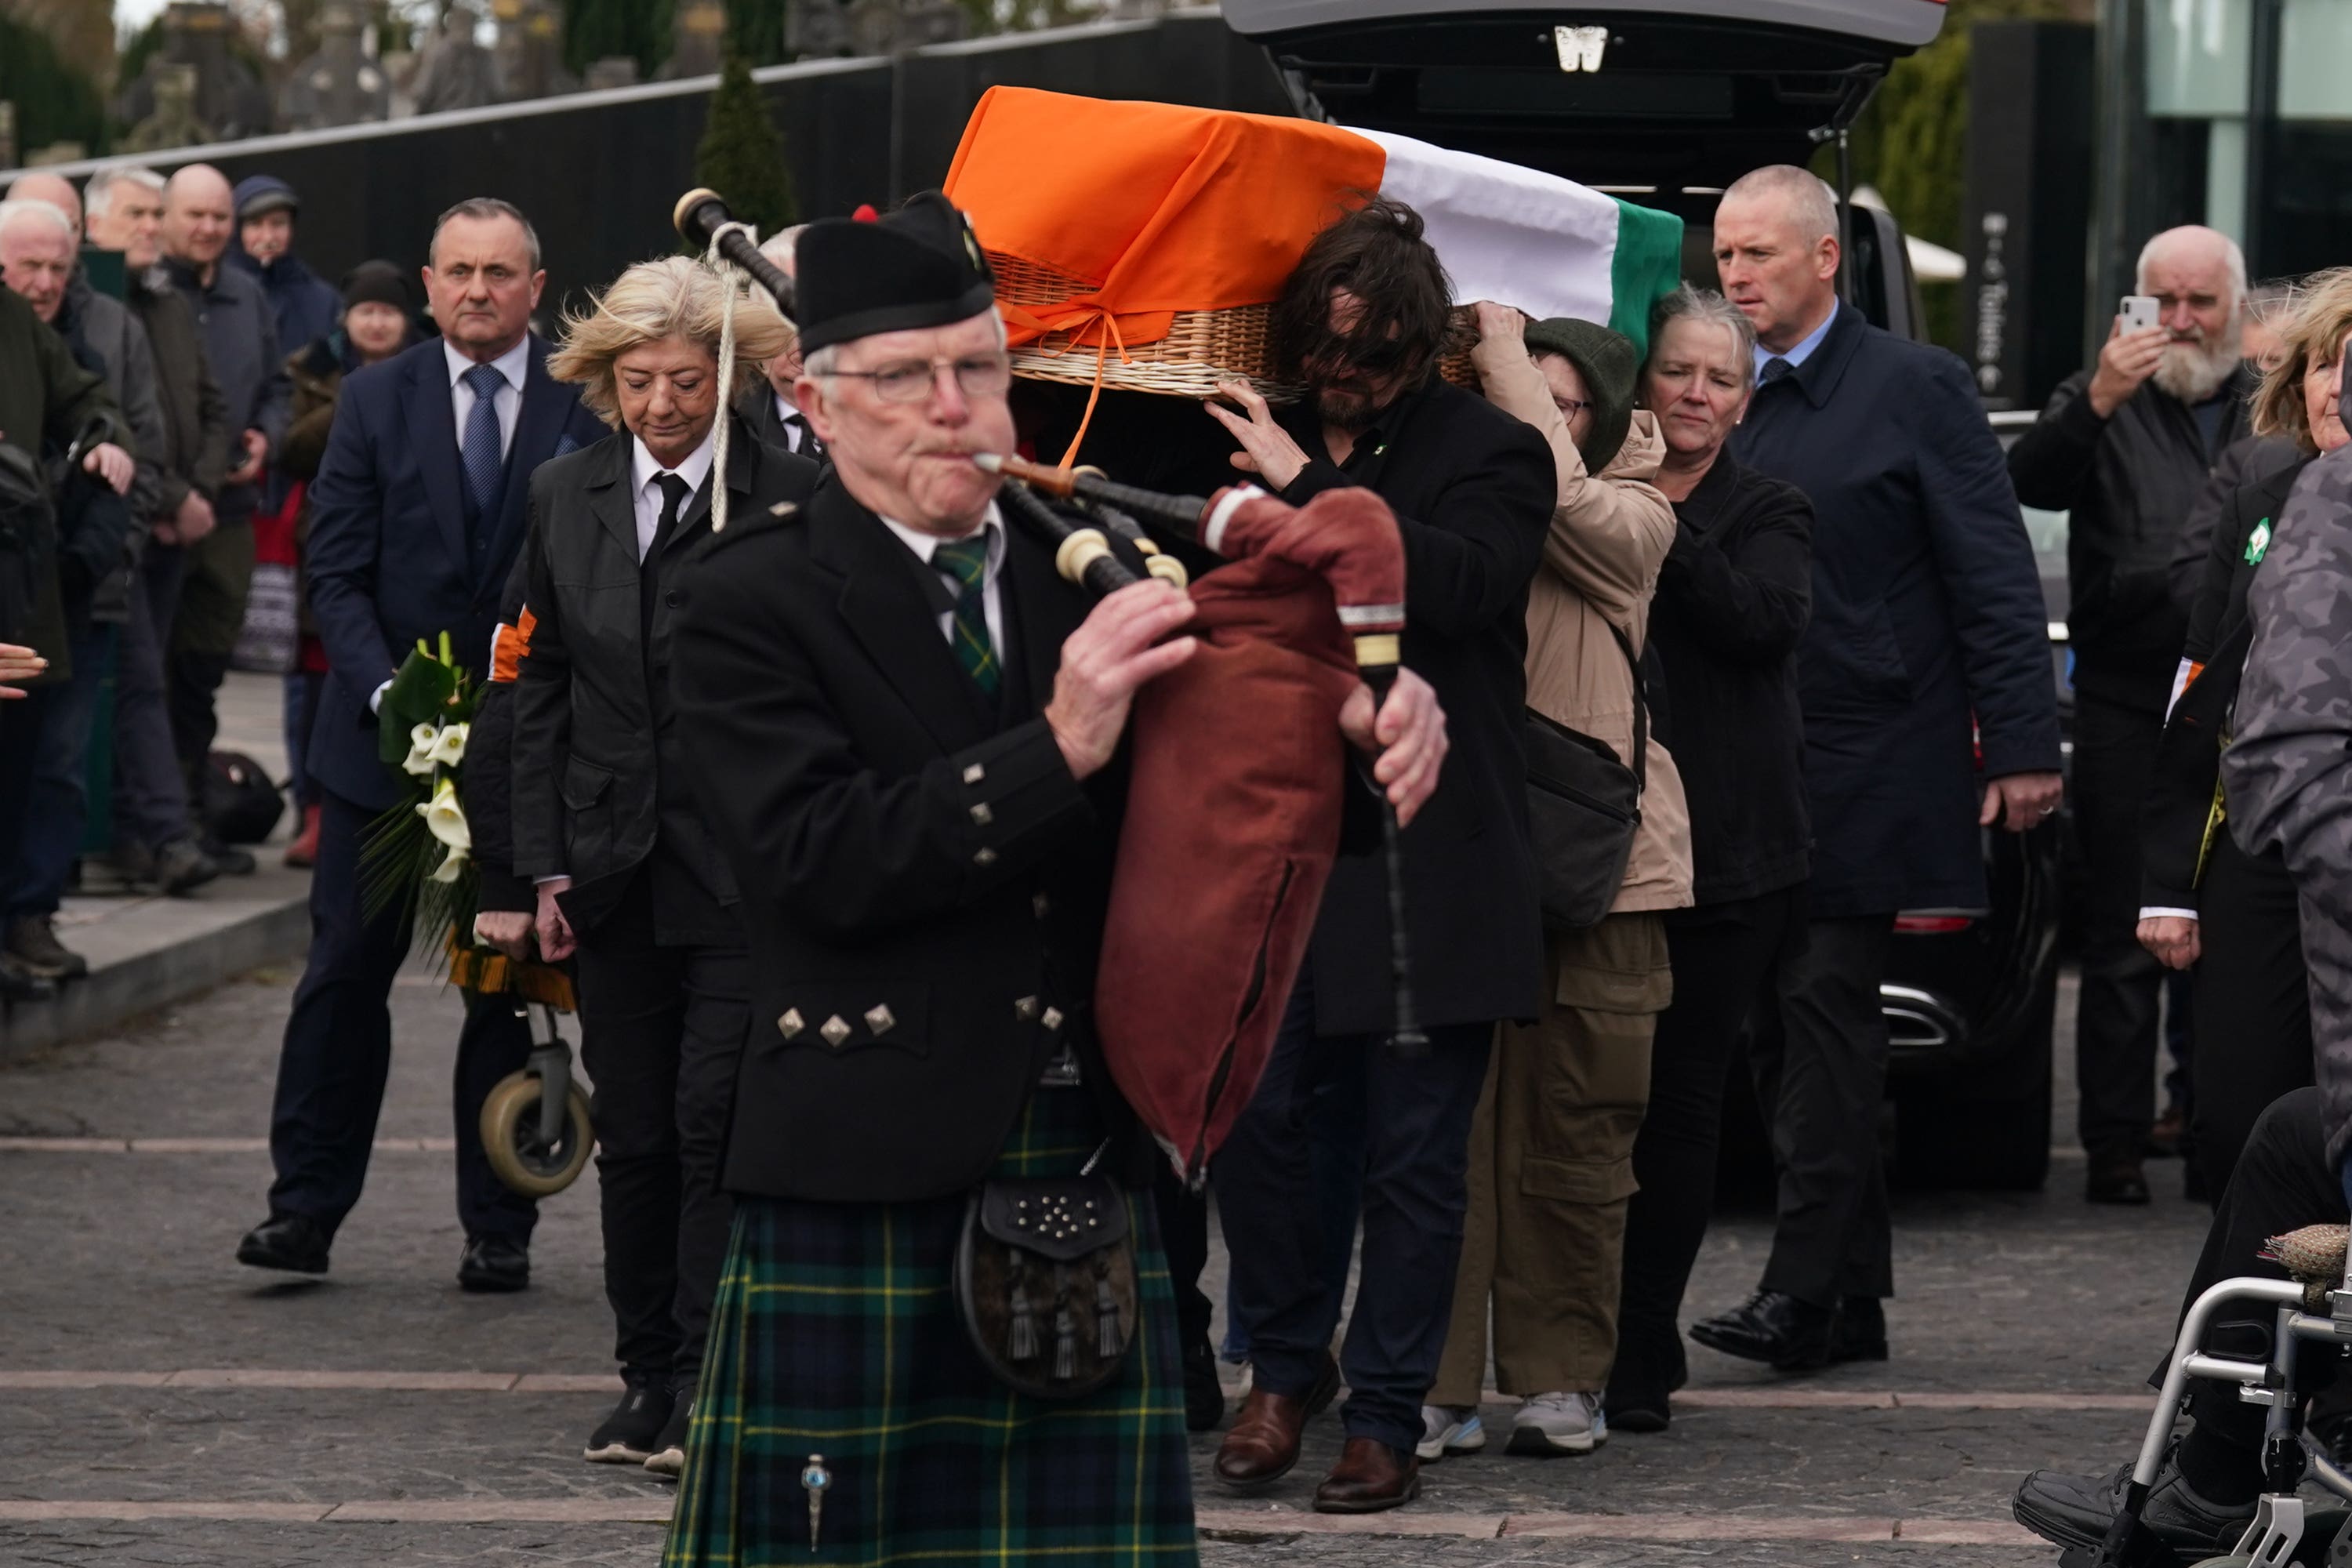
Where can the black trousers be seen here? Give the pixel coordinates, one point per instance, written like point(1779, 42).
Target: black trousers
point(2115, 1028)
point(2253, 1002)
point(661, 1033)
point(1417, 1115)
point(1184, 1232)
point(2282, 1181)
point(1821, 1078)
point(1720, 955)
point(337, 1050)
point(193, 682)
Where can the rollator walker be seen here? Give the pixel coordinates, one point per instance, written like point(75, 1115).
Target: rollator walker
point(2314, 1309)
point(534, 1123)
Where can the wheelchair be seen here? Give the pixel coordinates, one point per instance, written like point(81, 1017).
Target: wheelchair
point(2314, 1315)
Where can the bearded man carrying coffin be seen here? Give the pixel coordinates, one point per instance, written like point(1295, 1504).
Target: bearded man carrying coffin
point(905, 729)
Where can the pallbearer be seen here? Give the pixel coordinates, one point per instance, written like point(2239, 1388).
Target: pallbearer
point(944, 1331)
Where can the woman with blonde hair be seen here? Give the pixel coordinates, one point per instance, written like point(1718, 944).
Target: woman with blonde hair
point(606, 822)
point(2207, 903)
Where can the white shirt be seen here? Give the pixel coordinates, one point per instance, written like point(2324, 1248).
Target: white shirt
point(647, 495)
point(796, 431)
point(512, 364)
point(991, 598)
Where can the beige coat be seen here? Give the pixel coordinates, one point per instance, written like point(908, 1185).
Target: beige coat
point(1609, 538)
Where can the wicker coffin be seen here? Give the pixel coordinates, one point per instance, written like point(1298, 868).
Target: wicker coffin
point(1203, 348)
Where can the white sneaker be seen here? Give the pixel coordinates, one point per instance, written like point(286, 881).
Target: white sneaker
point(1450, 1429)
point(1559, 1424)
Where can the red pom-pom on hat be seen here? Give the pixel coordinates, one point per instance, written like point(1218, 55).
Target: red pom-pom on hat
point(865, 213)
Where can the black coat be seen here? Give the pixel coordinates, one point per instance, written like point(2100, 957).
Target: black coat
point(2178, 813)
point(601, 786)
point(1473, 489)
point(901, 843)
point(757, 409)
point(2127, 482)
point(1728, 614)
point(1926, 606)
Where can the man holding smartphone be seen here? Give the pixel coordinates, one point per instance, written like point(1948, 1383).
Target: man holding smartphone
point(2125, 446)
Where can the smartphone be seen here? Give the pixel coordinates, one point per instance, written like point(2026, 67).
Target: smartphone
point(2141, 312)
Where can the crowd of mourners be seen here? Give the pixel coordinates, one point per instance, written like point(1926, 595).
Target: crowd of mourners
point(806, 808)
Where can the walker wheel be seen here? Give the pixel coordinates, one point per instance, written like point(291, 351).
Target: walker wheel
point(511, 1138)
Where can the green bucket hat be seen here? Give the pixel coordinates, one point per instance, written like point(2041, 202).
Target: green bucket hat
point(1609, 362)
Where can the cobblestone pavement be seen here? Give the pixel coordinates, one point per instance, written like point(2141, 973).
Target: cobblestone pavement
point(167, 1407)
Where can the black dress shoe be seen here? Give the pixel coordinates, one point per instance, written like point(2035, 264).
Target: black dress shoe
point(1860, 1333)
point(494, 1264)
point(292, 1242)
point(2076, 1510)
point(1205, 1394)
point(227, 857)
point(1650, 1365)
point(19, 984)
point(1772, 1327)
point(2115, 1182)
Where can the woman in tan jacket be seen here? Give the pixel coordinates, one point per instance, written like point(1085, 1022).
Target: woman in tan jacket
point(1551, 1150)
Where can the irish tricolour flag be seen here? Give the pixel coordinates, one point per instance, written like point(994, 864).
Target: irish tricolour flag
point(1134, 214)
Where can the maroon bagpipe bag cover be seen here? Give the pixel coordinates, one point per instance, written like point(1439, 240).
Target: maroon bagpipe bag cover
point(1232, 820)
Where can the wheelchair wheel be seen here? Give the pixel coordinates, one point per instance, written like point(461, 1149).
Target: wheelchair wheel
point(511, 1138)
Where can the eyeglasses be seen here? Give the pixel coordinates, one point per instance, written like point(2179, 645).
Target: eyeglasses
point(1569, 407)
point(910, 381)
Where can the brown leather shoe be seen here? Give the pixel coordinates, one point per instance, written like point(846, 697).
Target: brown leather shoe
point(1370, 1476)
point(1261, 1445)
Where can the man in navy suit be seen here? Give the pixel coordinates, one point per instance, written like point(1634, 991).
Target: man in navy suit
point(416, 517)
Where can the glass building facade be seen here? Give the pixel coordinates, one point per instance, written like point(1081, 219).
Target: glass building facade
point(2236, 113)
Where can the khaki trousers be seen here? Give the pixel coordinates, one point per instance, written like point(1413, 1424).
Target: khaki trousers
point(1552, 1170)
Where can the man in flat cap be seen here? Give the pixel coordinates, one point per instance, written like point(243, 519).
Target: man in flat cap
point(905, 725)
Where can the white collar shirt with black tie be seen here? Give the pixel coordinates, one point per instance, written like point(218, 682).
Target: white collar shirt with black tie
point(645, 491)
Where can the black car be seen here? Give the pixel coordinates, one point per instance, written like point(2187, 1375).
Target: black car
point(1665, 102)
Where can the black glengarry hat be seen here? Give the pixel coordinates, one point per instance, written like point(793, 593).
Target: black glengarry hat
point(918, 266)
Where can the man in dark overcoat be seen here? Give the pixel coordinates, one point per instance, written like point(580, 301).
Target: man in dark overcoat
point(1363, 319)
point(905, 728)
point(1927, 608)
point(416, 517)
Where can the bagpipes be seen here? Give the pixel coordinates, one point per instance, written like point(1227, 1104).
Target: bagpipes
point(1237, 780)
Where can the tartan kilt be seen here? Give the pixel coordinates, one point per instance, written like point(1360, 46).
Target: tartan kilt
point(835, 1333)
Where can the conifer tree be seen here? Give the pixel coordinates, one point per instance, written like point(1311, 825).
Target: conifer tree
point(741, 155)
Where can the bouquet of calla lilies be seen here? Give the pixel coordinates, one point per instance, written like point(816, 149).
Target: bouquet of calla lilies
point(418, 856)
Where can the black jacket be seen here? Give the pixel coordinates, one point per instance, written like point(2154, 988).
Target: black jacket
point(2127, 482)
point(2179, 816)
point(1925, 608)
point(757, 409)
point(2248, 460)
point(1730, 612)
point(1473, 489)
point(489, 774)
point(601, 787)
point(195, 412)
point(240, 336)
point(844, 759)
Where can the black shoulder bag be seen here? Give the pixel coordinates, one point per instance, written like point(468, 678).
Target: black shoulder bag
point(1583, 809)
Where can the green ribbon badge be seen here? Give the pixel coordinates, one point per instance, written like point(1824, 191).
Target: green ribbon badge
point(2258, 542)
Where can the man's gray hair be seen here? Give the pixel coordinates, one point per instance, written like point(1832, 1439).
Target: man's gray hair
point(2233, 259)
point(1709, 309)
point(483, 207)
point(778, 246)
point(1802, 195)
point(16, 210)
point(98, 195)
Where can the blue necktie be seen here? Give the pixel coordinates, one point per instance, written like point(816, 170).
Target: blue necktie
point(478, 447)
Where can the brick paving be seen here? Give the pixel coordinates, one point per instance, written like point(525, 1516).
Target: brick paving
point(169, 1407)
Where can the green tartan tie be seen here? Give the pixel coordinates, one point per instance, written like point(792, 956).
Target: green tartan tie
point(966, 561)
